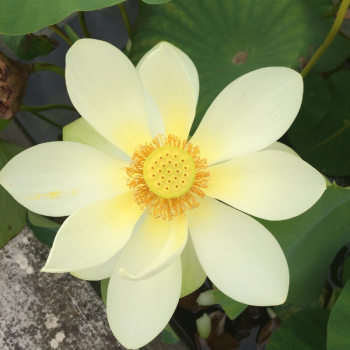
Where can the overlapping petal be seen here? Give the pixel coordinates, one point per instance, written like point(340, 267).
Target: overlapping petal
point(193, 275)
point(58, 178)
point(104, 270)
point(250, 114)
point(98, 272)
point(81, 131)
point(238, 254)
point(107, 91)
point(94, 234)
point(138, 311)
point(172, 80)
point(272, 185)
point(156, 245)
point(278, 146)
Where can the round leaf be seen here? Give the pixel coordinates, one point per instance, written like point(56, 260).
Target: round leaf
point(231, 38)
point(28, 16)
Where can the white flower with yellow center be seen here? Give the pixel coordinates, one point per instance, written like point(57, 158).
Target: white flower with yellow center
point(131, 156)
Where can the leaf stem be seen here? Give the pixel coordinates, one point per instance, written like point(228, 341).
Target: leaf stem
point(125, 18)
point(47, 120)
point(83, 25)
point(38, 66)
point(46, 107)
point(332, 11)
point(330, 37)
point(55, 28)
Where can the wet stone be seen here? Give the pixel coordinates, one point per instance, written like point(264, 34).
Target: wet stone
point(42, 311)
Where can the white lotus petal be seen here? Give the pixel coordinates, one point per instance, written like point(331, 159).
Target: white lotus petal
point(250, 114)
point(138, 311)
point(154, 247)
point(81, 131)
point(272, 185)
point(102, 271)
point(94, 234)
point(278, 146)
point(193, 275)
point(172, 80)
point(98, 272)
point(58, 178)
point(239, 255)
point(106, 90)
point(155, 121)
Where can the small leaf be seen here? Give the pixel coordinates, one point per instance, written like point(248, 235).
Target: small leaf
point(305, 330)
point(44, 229)
point(72, 35)
point(232, 307)
point(41, 221)
point(27, 47)
point(169, 336)
point(12, 214)
point(338, 336)
point(104, 288)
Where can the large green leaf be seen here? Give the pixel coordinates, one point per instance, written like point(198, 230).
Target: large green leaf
point(338, 336)
point(311, 240)
point(28, 16)
point(27, 47)
point(321, 6)
point(327, 145)
point(12, 214)
point(316, 100)
point(305, 330)
point(226, 39)
point(232, 307)
point(287, 309)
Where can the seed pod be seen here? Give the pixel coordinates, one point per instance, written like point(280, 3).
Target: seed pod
point(13, 85)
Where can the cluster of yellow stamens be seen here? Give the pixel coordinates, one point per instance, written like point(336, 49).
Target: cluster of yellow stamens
point(162, 174)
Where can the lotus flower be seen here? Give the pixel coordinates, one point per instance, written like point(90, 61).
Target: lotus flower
point(153, 211)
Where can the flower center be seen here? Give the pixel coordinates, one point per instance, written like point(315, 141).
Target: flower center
point(169, 172)
point(165, 173)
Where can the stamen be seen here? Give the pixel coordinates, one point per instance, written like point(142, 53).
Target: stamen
point(167, 208)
